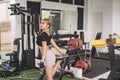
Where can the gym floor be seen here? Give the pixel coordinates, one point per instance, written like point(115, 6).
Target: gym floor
point(99, 67)
point(31, 73)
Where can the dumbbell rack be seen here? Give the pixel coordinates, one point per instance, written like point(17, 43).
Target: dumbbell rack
point(62, 43)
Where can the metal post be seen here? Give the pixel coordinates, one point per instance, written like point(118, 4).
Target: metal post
point(0, 38)
point(112, 61)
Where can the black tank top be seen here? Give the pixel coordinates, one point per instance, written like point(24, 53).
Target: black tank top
point(43, 37)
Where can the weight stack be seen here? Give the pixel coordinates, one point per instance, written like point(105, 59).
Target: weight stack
point(30, 59)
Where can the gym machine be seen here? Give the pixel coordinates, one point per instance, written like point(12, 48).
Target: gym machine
point(75, 48)
point(114, 59)
point(93, 50)
point(24, 47)
point(27, 40)
point(15, 64)
point(82, 61)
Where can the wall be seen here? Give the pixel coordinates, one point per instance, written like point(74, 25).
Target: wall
point(104, 7)
point(107, 18)
point(116, 16)
point(4, 12)
point(89, 21)
point(110, 10)
point(98, 23)
point(58, 6)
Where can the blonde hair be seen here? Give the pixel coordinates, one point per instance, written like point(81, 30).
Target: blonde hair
point(48, 22)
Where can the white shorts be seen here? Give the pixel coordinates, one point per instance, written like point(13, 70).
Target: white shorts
point(50, 58)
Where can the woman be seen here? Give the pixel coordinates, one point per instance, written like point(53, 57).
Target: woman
point(48, 57)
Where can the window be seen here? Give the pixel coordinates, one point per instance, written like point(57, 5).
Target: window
point(5, 28)
point(55, 16)
point(80, 18)
point(53, 0)
point(67, 1)
point(79, 2)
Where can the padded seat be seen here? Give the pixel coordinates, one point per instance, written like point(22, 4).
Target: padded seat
point(98, 44)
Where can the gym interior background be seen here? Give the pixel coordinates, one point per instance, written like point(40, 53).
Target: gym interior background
point(68, 16)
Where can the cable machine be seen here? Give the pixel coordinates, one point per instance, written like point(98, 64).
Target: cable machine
point(27, 40)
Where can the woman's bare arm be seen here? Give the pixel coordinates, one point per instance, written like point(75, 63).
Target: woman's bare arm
point(44, 50)
point(55, 46)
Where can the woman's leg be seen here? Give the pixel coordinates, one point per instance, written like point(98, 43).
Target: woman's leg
point(49, 62)
point(49, 72)
point(56, 66)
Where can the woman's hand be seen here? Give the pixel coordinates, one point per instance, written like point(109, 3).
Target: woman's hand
point(41, 64)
